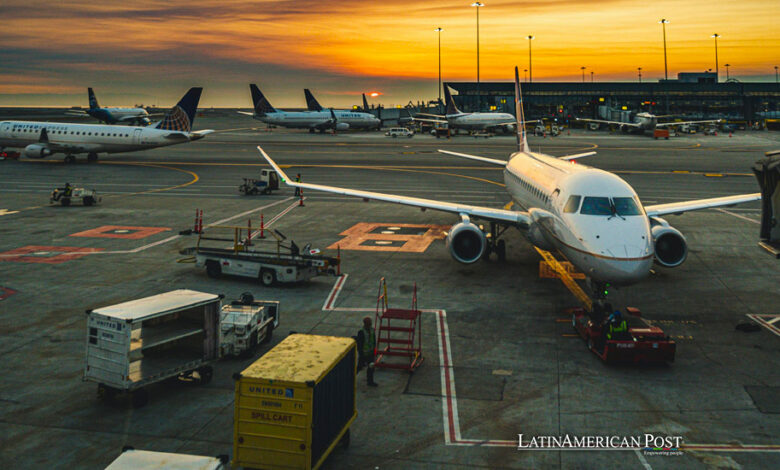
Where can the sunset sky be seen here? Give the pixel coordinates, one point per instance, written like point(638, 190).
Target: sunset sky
point(150, 52)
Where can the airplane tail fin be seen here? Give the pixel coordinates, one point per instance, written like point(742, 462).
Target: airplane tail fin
point(260, 102)
point(311, 101)
point(181, 116)
point(365, 103)
point(522, 140)
point(451, 108)
point(93, 102)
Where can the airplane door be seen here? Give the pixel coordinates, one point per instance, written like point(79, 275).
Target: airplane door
point(137, 136)
point(6, 129)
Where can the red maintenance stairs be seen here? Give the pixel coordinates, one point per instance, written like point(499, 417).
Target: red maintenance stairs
point(399, 334)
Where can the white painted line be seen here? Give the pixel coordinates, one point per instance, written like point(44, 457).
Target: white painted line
point(642, 459)
point(772, 321)
point(766, 324)
point(330, 301)
point(219, 222)
point(7, 212)
point(739, 216)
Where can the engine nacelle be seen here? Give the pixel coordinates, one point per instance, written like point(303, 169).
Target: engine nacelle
point(342, 126)
point(536, 237)
point(37, 151)
point(466, 242)
point(671, 249)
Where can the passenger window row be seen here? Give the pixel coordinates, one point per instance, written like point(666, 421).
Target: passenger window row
point(533, 189)
point(103, 134)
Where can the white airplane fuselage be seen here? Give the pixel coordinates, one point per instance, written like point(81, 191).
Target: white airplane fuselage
point(480, 121)
point(646, 121)
point(605, 246)
point(89, 138)
point(313, 119)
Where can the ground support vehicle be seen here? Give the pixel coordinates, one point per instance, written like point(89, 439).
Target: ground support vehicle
point(296, 403)
point(132, 459)
point(661, 133)
point(643, 343)
point(246, 323)
point(267, 182)
point(269, 260)
point(137, 343)
point(399, 132)
point(66, 195)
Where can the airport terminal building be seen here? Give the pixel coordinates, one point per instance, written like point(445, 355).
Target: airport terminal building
point(692, 95)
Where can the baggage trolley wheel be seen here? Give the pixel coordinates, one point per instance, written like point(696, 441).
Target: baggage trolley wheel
point(213, 269)
point(89, 200)
point(267, 277)
point(65, 201)
point(268, 333)
point(206, 373)
point(139, 397)
point(344, 442)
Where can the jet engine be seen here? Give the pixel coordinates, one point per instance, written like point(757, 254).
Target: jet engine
point(671, 249)
point(342, 126)
point(466, 242)
point(37, 151)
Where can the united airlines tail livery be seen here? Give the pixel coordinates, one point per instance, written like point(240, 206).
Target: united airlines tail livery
point(591, 216)
point(41, 139)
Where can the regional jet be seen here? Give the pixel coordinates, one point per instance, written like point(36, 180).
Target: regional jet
point(137, 116)
point(311, 120)
point(645, 122)
point(41, 139)
point(591, 216)
point(356, 119)
point(456, 119)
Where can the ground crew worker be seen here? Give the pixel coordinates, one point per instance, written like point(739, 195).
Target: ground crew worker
point(297, 189)
point(68, 190)
point(617, 326)
point(366, 343)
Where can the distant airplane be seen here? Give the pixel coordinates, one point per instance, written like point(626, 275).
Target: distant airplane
point(355, 119)
point(41, 139)
point(477, 121)
point(138, 116)
point(591, 216)
point(645, 122)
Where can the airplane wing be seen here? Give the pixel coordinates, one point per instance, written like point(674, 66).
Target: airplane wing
point(577, 155)
point(686, 206)
point(667, 124)
point(440, 121)
point(430, 115)
point(196, 135)
point(488, 213)
point(474, 157)
point(617, 123)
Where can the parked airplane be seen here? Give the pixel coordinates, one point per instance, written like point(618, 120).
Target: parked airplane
point(343, 115)
point(592, 216)
point(456, 119)
point(138, 116)
point(41, 139)
point(311, 120)
point(645, 122)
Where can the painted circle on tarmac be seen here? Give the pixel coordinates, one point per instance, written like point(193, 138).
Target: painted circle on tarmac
point(122, 231)
point(394, 228)
point(383, 242)
point(41, 253)
point(388, 232)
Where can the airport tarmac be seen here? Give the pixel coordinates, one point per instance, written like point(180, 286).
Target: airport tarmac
point(501, 358)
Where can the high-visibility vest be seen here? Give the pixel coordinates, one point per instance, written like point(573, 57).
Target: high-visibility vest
point(617, 329)
point(369, 341)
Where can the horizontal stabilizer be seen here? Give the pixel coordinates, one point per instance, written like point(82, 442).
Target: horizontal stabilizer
point(576, 156)
point(475, 157)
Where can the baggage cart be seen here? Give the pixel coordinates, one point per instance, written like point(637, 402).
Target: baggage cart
point(246, 323)
point(267, 182)
point(132, 459)
point(137, 343)
point(295, 404)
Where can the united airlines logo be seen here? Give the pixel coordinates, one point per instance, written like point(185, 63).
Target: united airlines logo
point(176, 120)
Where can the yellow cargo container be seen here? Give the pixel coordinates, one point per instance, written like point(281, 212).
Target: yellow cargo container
point(295, 404)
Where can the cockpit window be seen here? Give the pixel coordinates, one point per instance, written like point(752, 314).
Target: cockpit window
point(626, 206)
point(596, 206)
point(572, 204)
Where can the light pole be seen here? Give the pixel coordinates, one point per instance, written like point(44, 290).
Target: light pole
point(530, 66)
point(439, 30)
point(526, 74)
point(477, 5)
point(717, 70)
point(583, 74)
point(776, 75)
point(639, 71)
point(666, 69)
point(591, 76)
point(727, 71)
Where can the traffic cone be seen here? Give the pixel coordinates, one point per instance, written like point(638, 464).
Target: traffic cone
point(300, 204)
point(195, 224)
point(262, 226)
point(249, 232)
point(729, 134)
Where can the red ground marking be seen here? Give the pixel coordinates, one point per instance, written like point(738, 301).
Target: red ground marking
point(6, 292)
point(46, 254)
point(121, 231)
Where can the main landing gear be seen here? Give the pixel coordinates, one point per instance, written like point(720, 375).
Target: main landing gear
point(494, 242)
point(70, 159)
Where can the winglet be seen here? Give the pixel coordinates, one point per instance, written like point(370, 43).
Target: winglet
point(276, 168)
point(311, 102)
point(451, 108)
point(522, 140)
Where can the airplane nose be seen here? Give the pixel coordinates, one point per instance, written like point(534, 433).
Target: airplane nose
point(626, 251)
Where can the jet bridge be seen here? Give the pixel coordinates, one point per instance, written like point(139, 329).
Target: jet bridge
point(767, 172)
